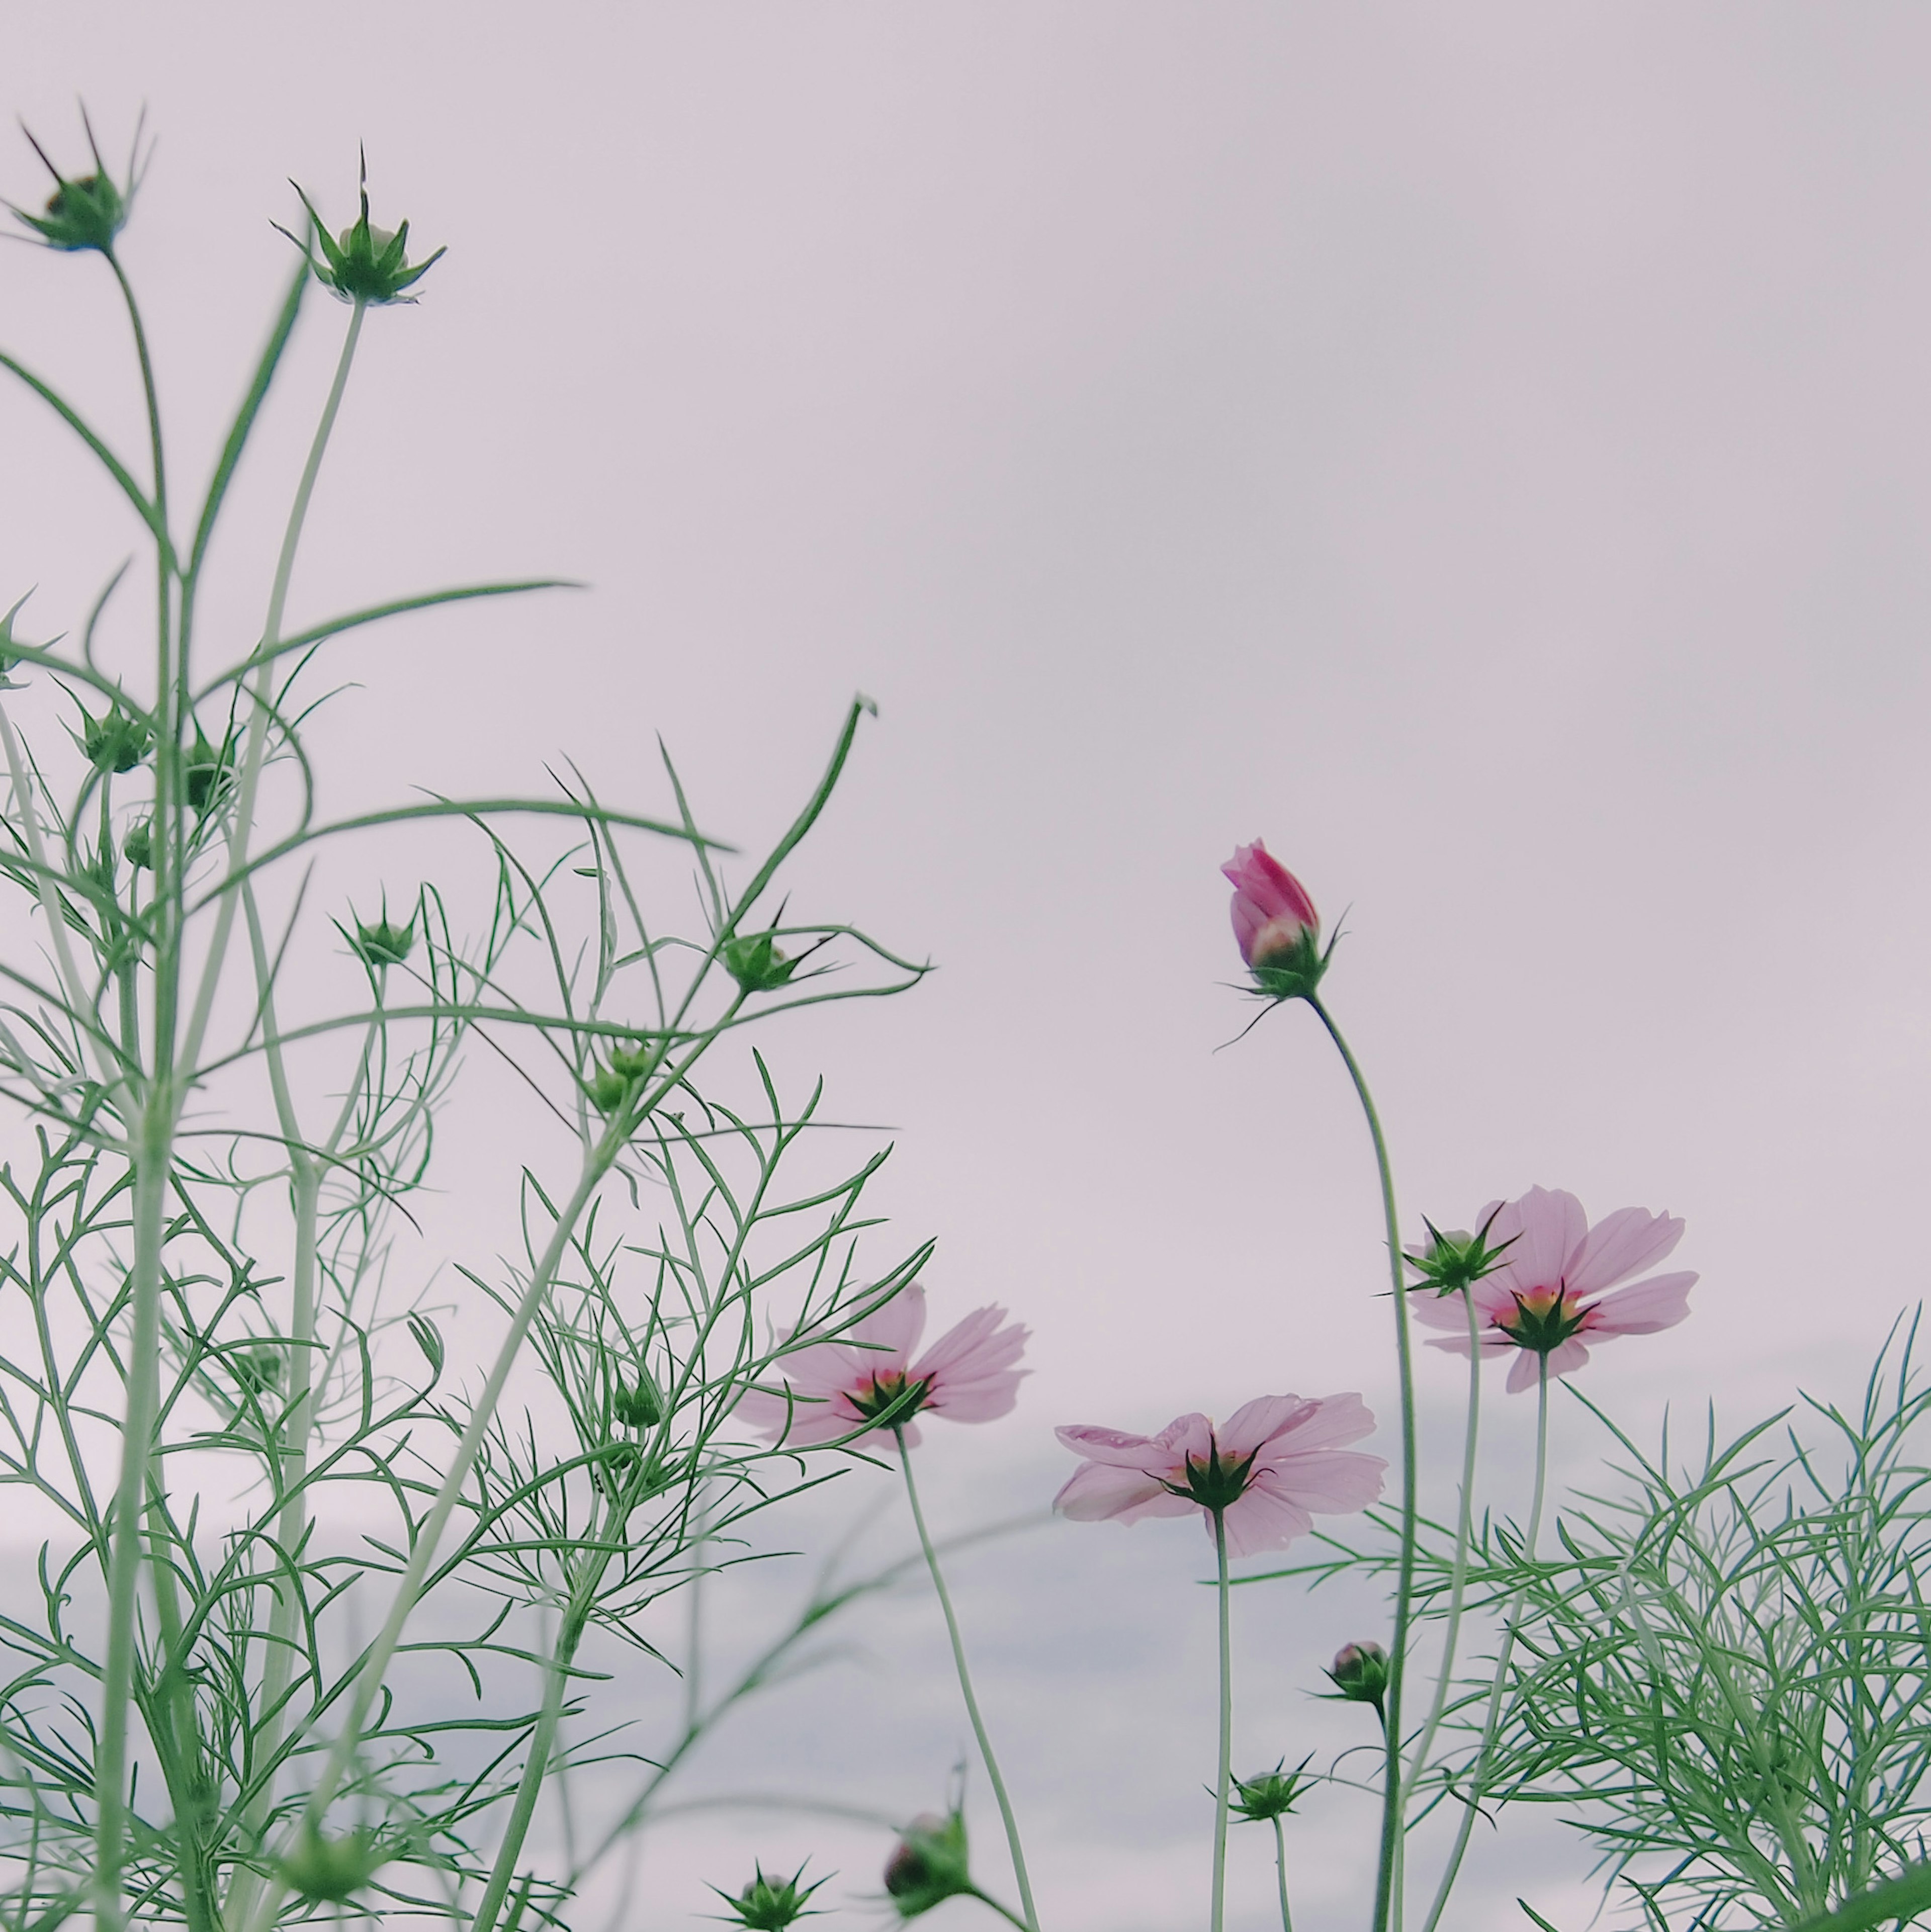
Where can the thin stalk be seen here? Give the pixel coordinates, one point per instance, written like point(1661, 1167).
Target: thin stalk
point(254, 744)
point(1281, 1867)
point(1464, 1527)
point(1223, 1775)
point(1031, 1921)
point(1005, 1912)
point(1471, 1804)
point(1391, 1801)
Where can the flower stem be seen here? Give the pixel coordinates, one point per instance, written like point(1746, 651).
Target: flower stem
point(1031, 1921)
point(1005, 1912)
point(1471, 1803)
point(1224, 1775)
point(1281, 1867)
point(1391, 1802)
point(1464, 1522)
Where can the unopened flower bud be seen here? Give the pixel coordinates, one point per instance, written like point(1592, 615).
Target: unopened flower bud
point(1275, 925)
point(1273, 1794)
point(638, 1408)
point(117, 741)
point(756, 963)
point(1448, 1263)
point(327, 1870)
point(1359, 1672)
point(633, 1060)
point(209, 774)
point(87, 211)
point(383, 944)
point(930, 1865)
point(140, 845)
point(363, 263)
point(769, 1905)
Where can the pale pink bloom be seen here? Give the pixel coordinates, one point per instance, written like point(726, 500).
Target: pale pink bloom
point(1551, 1292)
point(1271, 907)
point(1269, 1468)
point(966, 1375)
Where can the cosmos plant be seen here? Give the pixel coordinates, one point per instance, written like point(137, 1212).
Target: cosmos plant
point(327, 1562)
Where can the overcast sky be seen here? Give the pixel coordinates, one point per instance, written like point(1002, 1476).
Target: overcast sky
point(1482, 449)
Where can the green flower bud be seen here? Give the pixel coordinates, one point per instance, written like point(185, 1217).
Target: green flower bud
point(607, 1088)
point(383, 944)
point(756, 964)
point(364, 264)
point(930, 1865)
point(639, 1408)
point(208, 775)
point(140, 845)
point(1273, 1794)
point(87, 211)
point(1360, 1672)
point(117, 741)
point(258, 1370)
point(327, 1870)
point(769, 1905)
point(1457, 1260)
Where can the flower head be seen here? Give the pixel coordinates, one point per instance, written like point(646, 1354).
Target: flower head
point(1266, 1471)
point(87, 210)
point(1275, 924)
point(1360, 1673)
point(1451, 1262)
point(1255, 1801)
point(769, 1904)
point(363, 263)
point(929, 1865)
point(1549, 1299)
point(870, 1378)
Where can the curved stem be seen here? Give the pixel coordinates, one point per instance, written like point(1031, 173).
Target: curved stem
point(1463, 1524)
point(1491, 1719)
point(998, 1784)
point(1005, 1912)
point(1224, 1775)
point(1391, 1801)
point(1281, 1867)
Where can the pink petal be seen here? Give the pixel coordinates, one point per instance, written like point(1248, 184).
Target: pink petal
point(974, 1343)
point(1443, 1311)
point(1549, 1225)
point(1096, 1492)
point(1256, 874)
point(1324, 1423)
point(1257, 1422)
point(1117, 1448)
point(1261, 1518)
point(893, 1330)
point(1642, 1308)
point(1524, 1374)
point(1333, 1482)
point(1622, 1244)
point(982, 1400)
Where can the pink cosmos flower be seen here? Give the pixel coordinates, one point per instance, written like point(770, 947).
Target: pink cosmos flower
point(1268, 1469)
point(1549, 1296)
point(837, 1387)
point(1271, 911)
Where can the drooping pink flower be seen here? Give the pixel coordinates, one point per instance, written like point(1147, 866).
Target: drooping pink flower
point(1269, 1469)
point(1551, 1294)
point(1272, 915)
point(966, 1375)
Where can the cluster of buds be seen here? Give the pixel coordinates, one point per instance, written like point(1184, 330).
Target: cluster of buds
point(608, 1086)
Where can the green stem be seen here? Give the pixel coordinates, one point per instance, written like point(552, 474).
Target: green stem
point(1471, 1803)
point(1005, 1912)
point(1031, 1921)
point(1223, 1776)
point(1391, 1801)
point(1464, 1527)
point(1281, 1867)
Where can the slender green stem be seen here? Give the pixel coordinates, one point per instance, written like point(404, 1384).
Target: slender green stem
point(1391, 1802)
point(1471, 1800)
point(1223, 1775)
point(998, 1784)
point(1458, 1577)
point(1281, 1869)
point(1005, 1912)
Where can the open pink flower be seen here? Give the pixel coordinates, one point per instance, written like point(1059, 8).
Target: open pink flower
point(1550, 1294)
point(1273, 914)
point(837, 1387)
point(1268, 1470)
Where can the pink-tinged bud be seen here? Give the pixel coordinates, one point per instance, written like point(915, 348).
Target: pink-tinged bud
point(1275, 924)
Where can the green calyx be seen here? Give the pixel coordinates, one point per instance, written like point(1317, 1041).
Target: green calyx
point(1216, 1484)
point(638, 1407)
point(1457, 1260)
point(9, 657)
point(767, 1904)
point(756, 964)
point(1294, 973)
point(1273, 1794)
point(1360, 1673)
point(117, 741)
point(890, 1401)
point(86, 210)
point(363, 263)
point(930, 1865)
point(383, 943)
point(208, 776)
point(138, 845)
point(327, 1870)
point(1544, 1321)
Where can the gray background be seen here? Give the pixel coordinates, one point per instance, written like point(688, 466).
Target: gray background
point(1480, 449)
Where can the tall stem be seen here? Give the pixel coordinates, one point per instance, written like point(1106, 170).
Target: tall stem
point(1224, 1776)
point(1391, 1800)
point(978, 1731)
point(1491, 1719)
point(1281, 1867)
point(1464, 1527)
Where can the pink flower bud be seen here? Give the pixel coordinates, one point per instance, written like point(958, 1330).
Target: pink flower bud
point(1271, 908)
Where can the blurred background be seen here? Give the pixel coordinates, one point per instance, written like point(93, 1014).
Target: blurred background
point(1481, 450)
